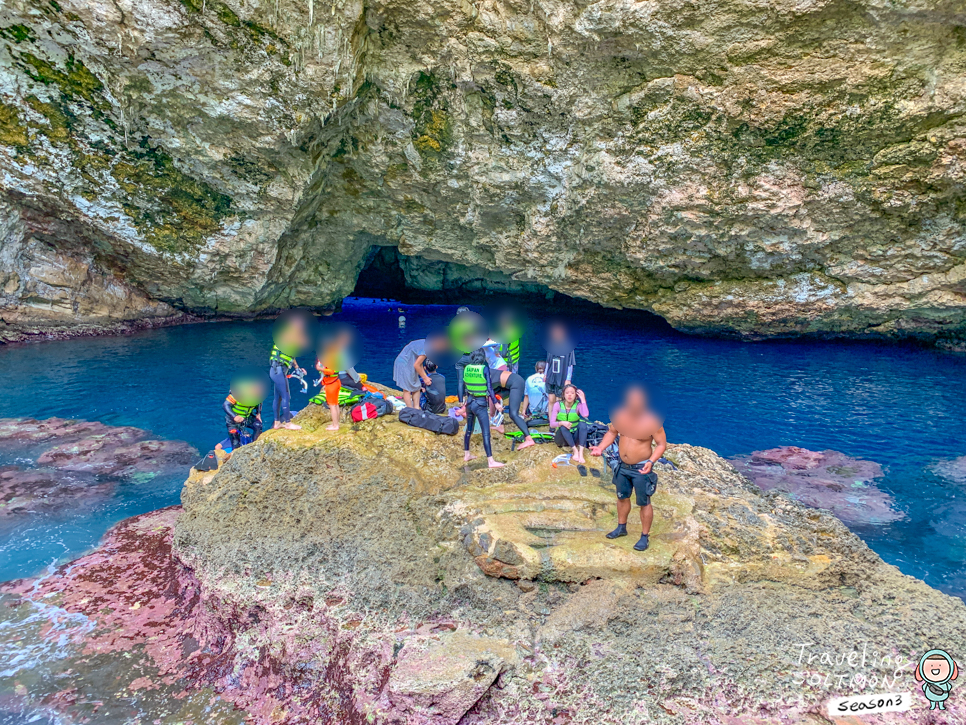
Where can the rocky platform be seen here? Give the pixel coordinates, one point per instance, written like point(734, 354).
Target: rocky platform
point(368, 576)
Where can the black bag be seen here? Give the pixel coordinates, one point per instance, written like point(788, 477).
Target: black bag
point(427, 421)
point(208, 463)
point(596, 433)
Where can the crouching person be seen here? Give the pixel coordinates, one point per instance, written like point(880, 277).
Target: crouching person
point(243, 409)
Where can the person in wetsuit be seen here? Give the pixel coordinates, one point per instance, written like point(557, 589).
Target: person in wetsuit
point(475, 381)
point(561, 362)
point(290, 335)
point(502, 378)
point(434, 394)
point(641, 442)
point(244, 413)
point(568, 421)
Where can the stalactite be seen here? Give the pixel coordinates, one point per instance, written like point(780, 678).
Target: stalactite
point(311, 12)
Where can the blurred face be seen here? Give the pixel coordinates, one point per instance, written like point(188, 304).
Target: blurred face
point(338, 351)
point(636, 399)
point(509, 327)
point(291, 333)
point(467, 332)
point(248, 392)
point(558, 332)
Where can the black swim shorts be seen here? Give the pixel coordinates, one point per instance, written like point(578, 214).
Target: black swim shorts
point(555, 390)
point(629, 478)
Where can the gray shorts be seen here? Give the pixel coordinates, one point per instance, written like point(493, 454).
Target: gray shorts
point(629, 478)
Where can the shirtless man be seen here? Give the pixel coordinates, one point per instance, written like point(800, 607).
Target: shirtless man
point(642, 442)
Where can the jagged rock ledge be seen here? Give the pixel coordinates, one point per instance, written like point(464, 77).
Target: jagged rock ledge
point(368, 576)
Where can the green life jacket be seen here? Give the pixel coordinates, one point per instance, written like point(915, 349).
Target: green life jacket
point(571, 416)
point(280, 357)
point(348, 395)
point(239, 409)
point(475, 381)
point(511, 351)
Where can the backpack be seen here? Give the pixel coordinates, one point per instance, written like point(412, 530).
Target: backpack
point(208, 463)
point(596, 433)
point(428, 421)
point(369, 408)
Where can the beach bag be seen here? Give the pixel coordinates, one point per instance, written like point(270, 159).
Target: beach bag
point(370, 408)
point(428, 421)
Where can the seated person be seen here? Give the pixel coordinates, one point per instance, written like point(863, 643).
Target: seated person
point(434, 394)
point(568, 421)
point(535, 399)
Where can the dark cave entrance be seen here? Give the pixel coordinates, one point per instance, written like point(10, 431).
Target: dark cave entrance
point(415, 280)
point(387, 274)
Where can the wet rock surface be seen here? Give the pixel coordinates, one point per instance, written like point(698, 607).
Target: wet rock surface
point(350, 577)
point(823, 479)
point(717, 165)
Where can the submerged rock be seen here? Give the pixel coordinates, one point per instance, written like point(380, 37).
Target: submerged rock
point(95, 448)
point(953, 470)
point(77, 464)
point(31, 491)
point(368, 576)
point(823, 479)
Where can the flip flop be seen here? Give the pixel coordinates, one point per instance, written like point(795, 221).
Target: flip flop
point(595, 473)
point(582, 470)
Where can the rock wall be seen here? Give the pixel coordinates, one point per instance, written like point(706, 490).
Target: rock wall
point(756, 169)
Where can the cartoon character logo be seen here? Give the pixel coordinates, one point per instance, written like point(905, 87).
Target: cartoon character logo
point(936, 670)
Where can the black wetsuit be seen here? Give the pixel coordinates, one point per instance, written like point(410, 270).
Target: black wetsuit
point(565, 438)
point(234, 429)
point(460, 385)
point(560, 369)
point(434, 394)
point(477, 409)
point(516, 386)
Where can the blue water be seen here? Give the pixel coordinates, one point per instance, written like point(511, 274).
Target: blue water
point(899, 406)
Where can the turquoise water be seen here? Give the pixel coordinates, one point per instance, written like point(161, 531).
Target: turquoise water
point(899, 406)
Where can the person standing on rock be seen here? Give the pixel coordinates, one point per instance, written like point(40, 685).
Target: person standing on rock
point(408, 370)
point(641, 441)
point(291, 336)
point(560, 362)
point(479, 396)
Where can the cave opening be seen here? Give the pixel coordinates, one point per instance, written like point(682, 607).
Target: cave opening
point(388, 274)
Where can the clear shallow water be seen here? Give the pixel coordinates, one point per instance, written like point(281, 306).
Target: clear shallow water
point(899, 406)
